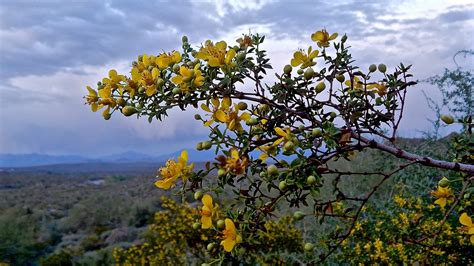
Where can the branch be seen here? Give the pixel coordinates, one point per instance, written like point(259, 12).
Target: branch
point(424, 160)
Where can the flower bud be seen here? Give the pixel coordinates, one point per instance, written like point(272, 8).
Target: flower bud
point(298, 215)
point(206, 145)
point(160, 82)
point(444, 182)
point(311, 180)
point(316, 132)
point(333, 115)
point(221, 172)
point(382, 68)
point(196, 226)
point(220, 224)
point(199, 146)
point(176, 69)
point(198, 195)
point(344, 38)
point(309, 73)
point(176, 90)
point(272, 170)
point(128, 110)
point(240, 56)
point(283, 185)
point(320, 87)
point(372, 68)
point(197, 116)
point(184, 38)
point(340, 78)
point(141, 90)
point(210, 246)
point(300, 71)
point(447, 119)
point(242, 106)
point(309, 246)
point(289, 146)
point(252, 122)
point(287, 69)
point(106, 116)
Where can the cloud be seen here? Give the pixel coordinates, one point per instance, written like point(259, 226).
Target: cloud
point(50, 51)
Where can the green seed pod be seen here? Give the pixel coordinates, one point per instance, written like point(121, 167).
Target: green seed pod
point(198, 195)
point(210, 246)
point(184, 39)
point(300, 71)
point(447, 119)
point(340, 78)
point(444, 182)
point(272, 170)
point(289, 146)
point(128, 110)
point(309, 73)
point(160, 82)
point(176, 90)
point(252, 122)
point(241, 57)
point(320, 87)
point(283, 185)
point(311, 180)
point(199, 146)
point(221, 172)
point(197, 117)
point(242, 106)
point(298, 215)
point(382, 68)
point(372, 68)
point(287, 69)
point(196, 226)
point(220, 224)
point(176, 69)
point(206, 145)
point(316, 132)
point(309, 246)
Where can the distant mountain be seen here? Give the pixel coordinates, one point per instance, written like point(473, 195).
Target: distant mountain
point(35, 159)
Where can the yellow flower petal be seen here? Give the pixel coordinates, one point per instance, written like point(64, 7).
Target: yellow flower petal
point(177, 80)
point(222, 45)
point(245, 116)
point(155, 73)
point(280, 132)
point(207, 200)
point(226, 102)
point(92, 92)
point(464, 219)
point(441, 202)
point(228, 244)
point(206, 222)
point(221, 116)
point(136, 74)
point(206, 108)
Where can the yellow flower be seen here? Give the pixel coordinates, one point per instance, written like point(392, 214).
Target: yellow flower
point(231, 238)
point(380, 88)
point(443, 195)
point(399, 200)
point(165, 60)
point(93, 99)
point(267, 150)
point(322, 38)
point(113, 81)
point(233, 163)
point(465, 220)
point(224, 113)
point(207, 211)
point(216, 55)
point(216, 105)
point(304, 59)
point(357, 85)
point(173, 170)
point(286, 136)
point(188, 78)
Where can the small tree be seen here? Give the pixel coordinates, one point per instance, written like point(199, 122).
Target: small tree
point(275, 143)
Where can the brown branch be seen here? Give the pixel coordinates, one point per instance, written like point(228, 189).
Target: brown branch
point(424, 160)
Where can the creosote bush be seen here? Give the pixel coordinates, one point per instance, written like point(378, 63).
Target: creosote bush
point(275, 144)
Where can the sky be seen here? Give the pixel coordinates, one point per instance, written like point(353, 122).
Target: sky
point(51, 50)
